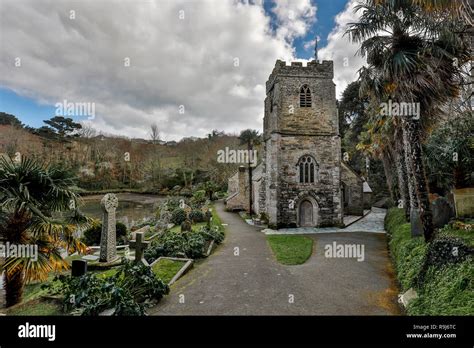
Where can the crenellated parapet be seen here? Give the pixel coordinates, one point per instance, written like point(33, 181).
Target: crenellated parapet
point(319, 69)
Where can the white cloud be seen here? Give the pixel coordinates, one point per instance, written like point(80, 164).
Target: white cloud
point(173, 61)
point(342, 51)
point(294, 17)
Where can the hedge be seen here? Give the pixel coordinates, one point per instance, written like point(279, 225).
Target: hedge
point(444, 283)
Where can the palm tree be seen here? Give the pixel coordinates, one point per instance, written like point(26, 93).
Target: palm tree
point(38, 207)
point(457, 8)
point(410, 56)
point(250, 137)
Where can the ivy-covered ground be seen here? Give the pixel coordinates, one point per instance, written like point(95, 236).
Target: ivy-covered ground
point(441, 272)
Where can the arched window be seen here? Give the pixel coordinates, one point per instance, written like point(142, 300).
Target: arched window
point(308, 169)
point(305, 97)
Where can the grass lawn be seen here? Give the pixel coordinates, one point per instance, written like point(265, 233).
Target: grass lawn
point(36, 307)
point(106, 273)
point(291, 250)
point(166, 269)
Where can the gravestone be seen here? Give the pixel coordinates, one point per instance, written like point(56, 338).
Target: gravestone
point(415, 221)
point(108, 247)
point(186, 226)
point(139, 244)
point(442, 212)
point(464, 202)
point(164, 221)
point(78, 268)
point(208, 218)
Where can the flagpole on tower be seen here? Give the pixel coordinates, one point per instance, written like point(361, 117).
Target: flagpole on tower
point(316, 49)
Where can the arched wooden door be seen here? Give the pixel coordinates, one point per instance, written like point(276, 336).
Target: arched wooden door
point(306, 214)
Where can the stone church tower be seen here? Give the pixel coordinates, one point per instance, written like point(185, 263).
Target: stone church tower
point(301, 173)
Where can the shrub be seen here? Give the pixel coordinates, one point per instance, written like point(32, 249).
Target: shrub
point(408, 253)
point(92, 234)
point(154, 252)
point(177, 244)
point(133, 288)
point(264, 218)
point(195, 245)
point(447, 290)
point(199, 197)
point(171, 203)
point(140, 280)
point(174, 243)
point(178, 216)
point(213, 233)
point(447, 250)
point(196, 216)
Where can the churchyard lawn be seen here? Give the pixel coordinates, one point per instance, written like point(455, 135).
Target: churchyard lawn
point(291, 250)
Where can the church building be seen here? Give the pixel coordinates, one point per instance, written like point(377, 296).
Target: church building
point(302, 180)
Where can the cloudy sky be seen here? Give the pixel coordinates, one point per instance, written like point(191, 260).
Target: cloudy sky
point(189, 66)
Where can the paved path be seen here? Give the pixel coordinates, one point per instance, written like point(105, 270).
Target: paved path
point(372, 222)
point(253, 283)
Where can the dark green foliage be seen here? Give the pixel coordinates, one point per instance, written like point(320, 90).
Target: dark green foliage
point(444, 282)
point(133, 288)
point(141, 281)
point(199, 197)
point(7, 119)
point(155, 251)
point(174, 243)
point(177, 244)
point(444, 170)
point(213, 233)
point(172, 203)
point(178, 216)
point(447, 250)
point(92, 235)
point(195, 245)
point(447, 290)
point(196, 216)
point(352, 113)
point(63, 126)
point(408, 253)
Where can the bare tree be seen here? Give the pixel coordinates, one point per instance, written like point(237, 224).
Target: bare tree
point(154, 133)
point(87, 131)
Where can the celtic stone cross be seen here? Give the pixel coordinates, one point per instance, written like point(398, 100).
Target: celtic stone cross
point(108, 249)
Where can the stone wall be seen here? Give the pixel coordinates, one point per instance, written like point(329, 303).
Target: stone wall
point(238, 189)
point(353, 191)
point(238, 200)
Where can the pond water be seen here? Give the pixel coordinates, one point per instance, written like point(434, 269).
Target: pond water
point(132, 208)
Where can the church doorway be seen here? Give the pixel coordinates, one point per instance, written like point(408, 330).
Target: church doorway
point(306, 214)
